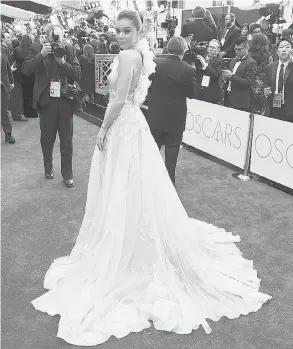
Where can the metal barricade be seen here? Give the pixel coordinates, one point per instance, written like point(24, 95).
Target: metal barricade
point(102, 70)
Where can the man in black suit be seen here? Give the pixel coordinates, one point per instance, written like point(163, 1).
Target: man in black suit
point(7, 85)
point(279, 84)
point(242, 70)
point(53, 70)
point(229, 36)
point(200, 30)
point(172, 82)
point(208, 73)
point(286, 34)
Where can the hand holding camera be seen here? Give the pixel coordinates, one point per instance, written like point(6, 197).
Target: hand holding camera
point(46, 50)
point(201, 59)
point(56, 46)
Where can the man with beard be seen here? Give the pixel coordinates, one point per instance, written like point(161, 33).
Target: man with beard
point(229, 36)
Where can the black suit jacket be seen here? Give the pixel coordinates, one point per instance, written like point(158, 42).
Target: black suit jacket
point(229, 44)
point(6, 74)
point(172, 82)
point(39, 65)
point(212, 93)
point(270, 72)
point(241, 82)
point(200, 31)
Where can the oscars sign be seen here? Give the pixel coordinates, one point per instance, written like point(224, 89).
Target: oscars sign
point(216, 130)
point(272, 150)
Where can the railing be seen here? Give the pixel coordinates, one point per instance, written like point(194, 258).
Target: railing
point(103, 64)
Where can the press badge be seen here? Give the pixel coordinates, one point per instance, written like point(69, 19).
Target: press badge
point(277, 101)
point(55, 88)
point(205, 81)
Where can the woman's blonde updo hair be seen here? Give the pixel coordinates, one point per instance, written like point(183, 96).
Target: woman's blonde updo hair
point(133, 16)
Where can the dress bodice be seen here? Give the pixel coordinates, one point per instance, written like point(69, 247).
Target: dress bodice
point(137, 97)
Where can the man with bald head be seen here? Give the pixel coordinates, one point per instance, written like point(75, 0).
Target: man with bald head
point(54, 67)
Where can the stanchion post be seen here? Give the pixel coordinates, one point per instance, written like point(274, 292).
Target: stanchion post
point(245, 176)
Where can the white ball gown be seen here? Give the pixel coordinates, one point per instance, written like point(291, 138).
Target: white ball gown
point(138, 256)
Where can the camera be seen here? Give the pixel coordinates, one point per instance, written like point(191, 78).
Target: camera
point(199, 48)
point(170, 24)
point(58, 48)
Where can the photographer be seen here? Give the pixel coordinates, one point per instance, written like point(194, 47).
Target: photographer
point(54, 66)
point(209, 68)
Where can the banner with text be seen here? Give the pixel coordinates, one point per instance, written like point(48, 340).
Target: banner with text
point(272, 150)
point(217, 130)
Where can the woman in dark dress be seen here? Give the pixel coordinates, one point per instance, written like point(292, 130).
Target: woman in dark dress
point(259, 52)
point(87, 64)
point(27, 82)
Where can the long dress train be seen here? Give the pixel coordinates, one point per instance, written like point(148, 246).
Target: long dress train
point(138, 256)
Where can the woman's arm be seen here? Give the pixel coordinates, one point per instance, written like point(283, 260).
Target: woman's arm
point(125, 69)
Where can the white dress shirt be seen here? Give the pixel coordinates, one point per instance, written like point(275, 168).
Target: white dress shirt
point(277, 78)
point(233, 72)
point(224, 36)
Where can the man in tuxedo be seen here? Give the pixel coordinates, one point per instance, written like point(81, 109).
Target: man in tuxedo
point(172, 82)
point(279, 84)
point(53, 70)
point(208, 73)
point(287, 34)
point(228, 37)
point(7, 85)
point(200, 30)
point(242, 70)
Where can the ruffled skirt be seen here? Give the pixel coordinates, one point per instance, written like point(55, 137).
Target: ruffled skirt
point(139, 257)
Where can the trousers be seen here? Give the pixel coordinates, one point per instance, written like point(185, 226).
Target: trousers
point(58, 116)
point(6, 121)
point(172, 142)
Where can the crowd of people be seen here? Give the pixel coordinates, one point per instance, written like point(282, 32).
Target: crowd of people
point(86, 42)
point(237, 67)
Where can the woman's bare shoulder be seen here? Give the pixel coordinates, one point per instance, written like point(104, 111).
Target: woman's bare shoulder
point(129, 56)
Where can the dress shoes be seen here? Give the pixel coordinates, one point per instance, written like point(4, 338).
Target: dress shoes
point(9, 139)
point(69, 183)
point(22, 118)
point(49, 175)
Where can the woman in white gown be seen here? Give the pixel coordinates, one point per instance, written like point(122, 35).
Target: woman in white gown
point(138, 256)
